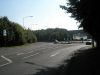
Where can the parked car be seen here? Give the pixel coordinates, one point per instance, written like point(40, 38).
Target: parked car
point(89, 42)
point(56, 41)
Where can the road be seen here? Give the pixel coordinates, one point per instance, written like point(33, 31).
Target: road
point(29, 59)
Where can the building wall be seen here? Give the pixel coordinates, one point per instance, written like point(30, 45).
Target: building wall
point(79, 36)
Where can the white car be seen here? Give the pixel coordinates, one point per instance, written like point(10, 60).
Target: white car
point(89, 42)
point(56, 41)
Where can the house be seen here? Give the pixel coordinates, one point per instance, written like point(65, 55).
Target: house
point(78, 35)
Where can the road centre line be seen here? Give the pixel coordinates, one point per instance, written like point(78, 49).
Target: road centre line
point(24, 53)
point(29, 52)
point(20, 53)
point(54, 54)
point(9, 61)
point(30, 55)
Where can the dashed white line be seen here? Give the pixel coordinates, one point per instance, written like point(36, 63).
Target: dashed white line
point(54, 54)
point(20, 53)
point(29, 52)
point(24, 53)
point(9, 61)
point(30, 55)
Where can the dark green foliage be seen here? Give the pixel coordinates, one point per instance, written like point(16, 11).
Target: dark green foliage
point(83, 11)
point(15, 34)
point(30, 36)
point(87, 13)
point(73, 6)
point(52, 34)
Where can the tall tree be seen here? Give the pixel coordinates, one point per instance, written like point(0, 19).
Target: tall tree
point(52, 34)
point(86, 12)
point(12, 33)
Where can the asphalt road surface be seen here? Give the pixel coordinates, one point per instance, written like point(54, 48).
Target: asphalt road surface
point(29, 59)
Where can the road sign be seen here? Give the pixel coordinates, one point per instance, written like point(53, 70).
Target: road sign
point(4, 32)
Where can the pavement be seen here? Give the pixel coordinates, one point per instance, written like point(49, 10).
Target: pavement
point(29, 59)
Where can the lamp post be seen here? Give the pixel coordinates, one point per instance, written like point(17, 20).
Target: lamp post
point(24, 18)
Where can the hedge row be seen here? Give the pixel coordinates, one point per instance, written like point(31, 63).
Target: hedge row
point(12, 33)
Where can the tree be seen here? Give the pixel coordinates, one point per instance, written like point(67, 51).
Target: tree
point(52, 34)
point(80, 9)
point(85, 12)
point(12, 33)
point(30, 36)
point(88, 14)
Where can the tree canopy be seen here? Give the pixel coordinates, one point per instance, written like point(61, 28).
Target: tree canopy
point(12, 33)
point(83, 11)
point(52, 34)
point(80, 9)
point(86, 12)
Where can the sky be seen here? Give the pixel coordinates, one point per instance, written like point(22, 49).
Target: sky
point(38, 14)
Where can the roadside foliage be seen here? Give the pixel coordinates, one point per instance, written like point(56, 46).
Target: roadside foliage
point(12, 33)
point(51, 34)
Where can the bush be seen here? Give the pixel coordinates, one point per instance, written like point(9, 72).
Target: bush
point(30, 36)
point(15, 34)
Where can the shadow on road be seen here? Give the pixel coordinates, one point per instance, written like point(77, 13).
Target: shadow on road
point(83, 62)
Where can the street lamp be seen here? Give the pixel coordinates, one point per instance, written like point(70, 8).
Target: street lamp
point(24, 18)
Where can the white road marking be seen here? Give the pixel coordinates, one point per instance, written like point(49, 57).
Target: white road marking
point(54, 54)
point(24, 53)
point(20, 53)
point(9, 61)
point(30, 55)
point(29, 52)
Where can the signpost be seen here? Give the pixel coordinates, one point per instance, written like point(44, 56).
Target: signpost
point(5, 34)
